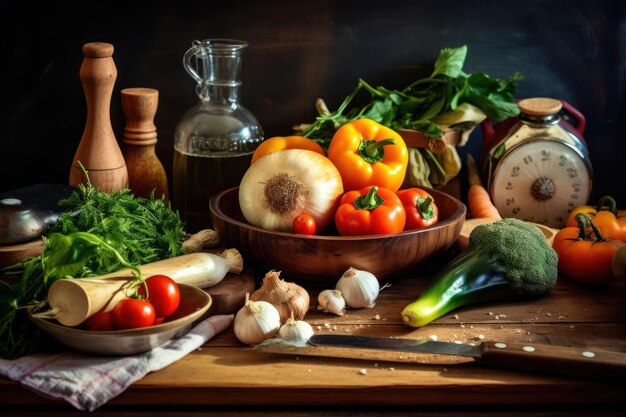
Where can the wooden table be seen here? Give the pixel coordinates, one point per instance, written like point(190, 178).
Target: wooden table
point(228, 378)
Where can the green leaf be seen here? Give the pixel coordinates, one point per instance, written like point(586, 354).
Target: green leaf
point(65, 256)
point(450, 62)
point(433, 110)
point(494, 97)
point(397, 98)
point(460, 86)
point(382, 112)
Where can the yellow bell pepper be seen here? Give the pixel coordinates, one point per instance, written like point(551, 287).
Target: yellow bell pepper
point(278, 143)
point(367, 153)
point(610, 221)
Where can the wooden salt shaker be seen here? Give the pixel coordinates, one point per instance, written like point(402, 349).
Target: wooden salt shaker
point(145, 171)
point(98, 150)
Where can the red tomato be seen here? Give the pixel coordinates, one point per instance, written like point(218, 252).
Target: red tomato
point(304, 224)
point(132, 313)
point(163, 294)
point(102, 321)
point(584, 257)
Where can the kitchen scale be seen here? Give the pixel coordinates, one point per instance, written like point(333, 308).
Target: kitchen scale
point(537, 165)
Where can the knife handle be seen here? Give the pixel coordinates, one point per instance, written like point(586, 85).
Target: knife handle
point(569, 361)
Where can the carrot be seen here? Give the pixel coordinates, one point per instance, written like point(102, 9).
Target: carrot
point(478, 199)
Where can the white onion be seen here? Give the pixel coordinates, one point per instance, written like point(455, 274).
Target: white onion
point(283, 184)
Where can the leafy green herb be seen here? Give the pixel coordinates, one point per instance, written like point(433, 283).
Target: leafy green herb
point(415, 106)
point(418, 105)
point(100, 233)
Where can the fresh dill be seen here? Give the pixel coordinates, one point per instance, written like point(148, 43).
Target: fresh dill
point(141, 230)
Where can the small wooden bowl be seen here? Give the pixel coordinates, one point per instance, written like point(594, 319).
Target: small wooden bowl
point(325, 258)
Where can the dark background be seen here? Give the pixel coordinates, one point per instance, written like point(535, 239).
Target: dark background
point(299, 51)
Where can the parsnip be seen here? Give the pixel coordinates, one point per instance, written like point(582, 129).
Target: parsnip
point(200, 269)
point(73, 301)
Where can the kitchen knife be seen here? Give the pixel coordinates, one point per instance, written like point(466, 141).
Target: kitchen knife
point(559, 360)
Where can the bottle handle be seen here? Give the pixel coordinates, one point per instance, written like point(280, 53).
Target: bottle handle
point(581, 122)
point(195, 51)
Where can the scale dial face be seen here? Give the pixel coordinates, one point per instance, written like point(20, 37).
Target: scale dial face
point(540, 181)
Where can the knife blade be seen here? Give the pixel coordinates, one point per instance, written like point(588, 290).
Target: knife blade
point(530, 357)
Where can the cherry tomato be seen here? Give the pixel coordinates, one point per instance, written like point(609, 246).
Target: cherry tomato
point(132, 313)
point(304, 224)
point(163, 294)
point(102, 321)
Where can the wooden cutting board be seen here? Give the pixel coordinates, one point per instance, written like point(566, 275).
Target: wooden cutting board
point(230, 294)
point(470, 224)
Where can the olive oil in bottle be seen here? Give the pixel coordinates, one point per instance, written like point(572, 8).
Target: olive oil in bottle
point(215, 139)
point(198, 178)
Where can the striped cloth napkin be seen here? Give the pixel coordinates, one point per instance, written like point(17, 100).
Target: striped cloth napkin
point(87, 382)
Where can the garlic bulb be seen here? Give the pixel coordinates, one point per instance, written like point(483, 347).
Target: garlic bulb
point(256, 321)
point(283, 184)
point(331, 301)
point(359, 288)
point(287, 297)
point(295, 331)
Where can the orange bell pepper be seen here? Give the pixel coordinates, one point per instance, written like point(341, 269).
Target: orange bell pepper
point(278, 143)
point(367, 153)
point(370, 211)
point(585, 256)
point(612, 223)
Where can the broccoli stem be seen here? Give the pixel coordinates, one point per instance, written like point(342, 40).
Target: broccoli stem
point(474, 276)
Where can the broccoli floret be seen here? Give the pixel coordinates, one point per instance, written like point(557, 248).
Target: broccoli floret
point(530, 264)
point(504, 259)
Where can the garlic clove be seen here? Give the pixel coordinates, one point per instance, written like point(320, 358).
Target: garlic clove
point(359, 288)
point(287, 297)
point(256, 321)
point(331, 301)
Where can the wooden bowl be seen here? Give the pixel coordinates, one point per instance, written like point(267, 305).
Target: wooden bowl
point(194, 302)
point(326, 258)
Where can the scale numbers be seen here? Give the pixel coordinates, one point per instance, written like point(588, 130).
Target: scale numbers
point(540, 181)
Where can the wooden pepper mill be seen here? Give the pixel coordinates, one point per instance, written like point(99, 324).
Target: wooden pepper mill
point(98, 150)
point(145, 171)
